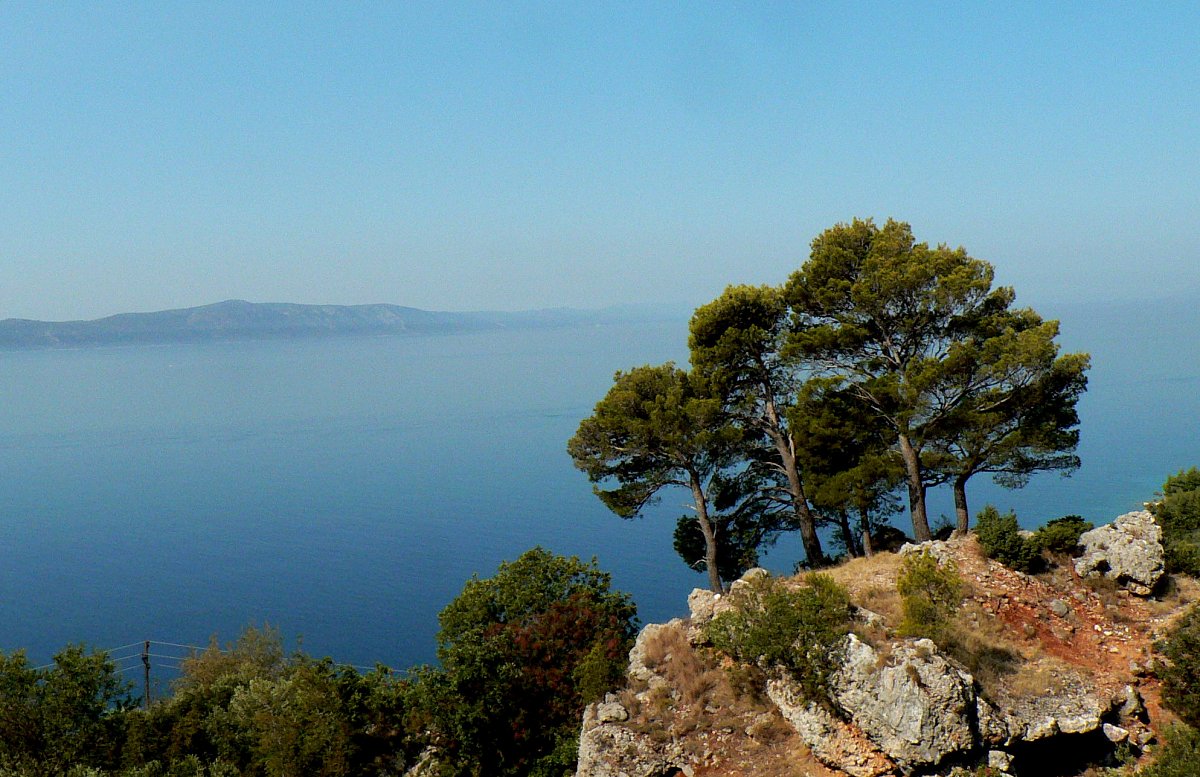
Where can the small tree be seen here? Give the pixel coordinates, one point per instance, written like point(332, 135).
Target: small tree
point(657, 427)
point(517, 651)
point(930, 594)
point(1000, 537)
point(1061, 535)
point(800, 629)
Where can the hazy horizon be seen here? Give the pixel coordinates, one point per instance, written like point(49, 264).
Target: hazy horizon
point(469, 157)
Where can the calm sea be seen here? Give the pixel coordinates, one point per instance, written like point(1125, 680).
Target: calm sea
point(343, 490)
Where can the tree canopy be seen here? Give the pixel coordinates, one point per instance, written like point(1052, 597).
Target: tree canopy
point(521, 653)
point(882, 363)
point(735, 343)
point(657, 427)
point(923, 340)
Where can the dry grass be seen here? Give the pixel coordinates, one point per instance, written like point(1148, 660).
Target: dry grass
point(702, 692)
point(859, 575)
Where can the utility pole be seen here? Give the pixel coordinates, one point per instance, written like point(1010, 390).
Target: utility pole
point(146, 665)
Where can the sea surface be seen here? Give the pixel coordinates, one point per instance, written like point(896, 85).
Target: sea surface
point(343, 490)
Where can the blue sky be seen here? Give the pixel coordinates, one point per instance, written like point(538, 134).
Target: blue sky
point(522, 155)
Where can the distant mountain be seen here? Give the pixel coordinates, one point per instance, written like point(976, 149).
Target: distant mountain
point(240, 320)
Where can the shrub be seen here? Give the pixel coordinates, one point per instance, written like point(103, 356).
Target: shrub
point(1179, 756)
point(930, 593)
point(1000, 536)
point(1179, 516)
point(800, 629)
point(521, 652)
point(52, 718)
point(1181, 676)
point(1061, 535)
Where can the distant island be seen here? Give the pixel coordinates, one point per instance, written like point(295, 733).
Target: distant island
point(241, 320)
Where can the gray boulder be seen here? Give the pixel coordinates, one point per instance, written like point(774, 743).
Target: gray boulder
point(833, 741)
point(912, 709)
point(916, 706)
point(1129, 550)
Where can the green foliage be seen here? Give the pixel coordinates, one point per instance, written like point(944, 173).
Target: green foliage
point(930, 593)
point(1178, 513)
point(1000, 537)
point(967, 383)
point(657, 427)
point(801, 629)
point(1181, 677)
point(250, 709)
point(1061, 535)
point(1182, 482)
point(521, 654)
point(845, 452)
point(60, 716)
point(1179, 755)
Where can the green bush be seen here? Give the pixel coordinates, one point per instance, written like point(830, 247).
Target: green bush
point(1179, 756)
point(930, 593)
point(1178, 513)
point(53, 718)
point(800, 629)
point(1181, 677)
point(1000, 536)
point(1061, 535)
point(521, 653)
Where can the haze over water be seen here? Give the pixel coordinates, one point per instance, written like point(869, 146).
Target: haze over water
point(343, 490)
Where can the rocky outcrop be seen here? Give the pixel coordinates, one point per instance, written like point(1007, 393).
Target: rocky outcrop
point(912, 709)
point(915, 709)
point(607, 748)
point(1064, 678)
point(916, 706)
point(831, 739)
point(1129, 550)
point(1072, 706)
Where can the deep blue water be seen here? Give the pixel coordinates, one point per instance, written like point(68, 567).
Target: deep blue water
point(343, 490)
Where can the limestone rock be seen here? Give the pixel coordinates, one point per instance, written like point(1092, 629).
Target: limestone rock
point(609, 749)
point(702, 604)
point(1132, 707)
point(749, 577)
point(916, 706)
point(1128, 550)
point(831, 740)
point(1073, 706)
point(939, 549)
point(999, 760)
point(1115, 734)
point(611, 711)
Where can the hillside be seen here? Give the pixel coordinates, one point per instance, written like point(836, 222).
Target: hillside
point(1047, 675)
point(240, 320)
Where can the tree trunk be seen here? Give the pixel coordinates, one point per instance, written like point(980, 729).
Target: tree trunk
point(960, 504)
point(804, 517)
point(774, 428)
point(916, 490)
point(710, 536)
point(864, 524)
point(848, 539)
